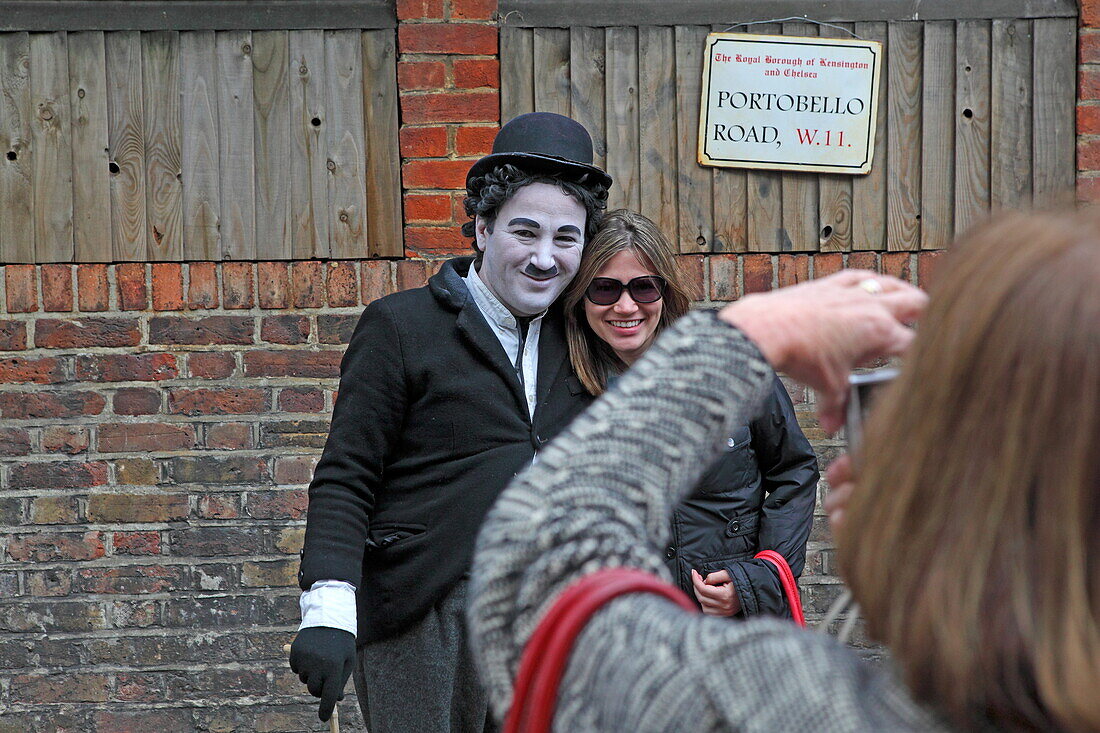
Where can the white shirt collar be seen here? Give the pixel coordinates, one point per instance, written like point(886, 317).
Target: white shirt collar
point(489, 305)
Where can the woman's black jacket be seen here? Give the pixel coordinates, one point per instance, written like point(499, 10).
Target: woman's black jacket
point(759, 495)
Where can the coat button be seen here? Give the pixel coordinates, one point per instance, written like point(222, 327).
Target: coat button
point(670, 552)
point(733, 527)
point(730, 442)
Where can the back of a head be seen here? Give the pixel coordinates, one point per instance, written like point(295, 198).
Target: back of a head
point(973, 539)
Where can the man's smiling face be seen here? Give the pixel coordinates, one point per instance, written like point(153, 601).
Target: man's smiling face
point(533, 247)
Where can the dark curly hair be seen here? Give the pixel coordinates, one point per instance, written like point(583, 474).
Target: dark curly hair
point(486, 194)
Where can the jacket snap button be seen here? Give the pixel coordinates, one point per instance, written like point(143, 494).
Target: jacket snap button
point(730, 442)
point(733, 527)
point(670, 552)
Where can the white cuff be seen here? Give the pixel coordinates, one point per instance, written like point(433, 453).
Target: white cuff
point(329, 603)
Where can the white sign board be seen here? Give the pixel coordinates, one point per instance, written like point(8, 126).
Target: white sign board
point(786, 103)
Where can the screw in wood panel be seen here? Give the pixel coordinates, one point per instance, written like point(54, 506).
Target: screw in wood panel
point(113, 168)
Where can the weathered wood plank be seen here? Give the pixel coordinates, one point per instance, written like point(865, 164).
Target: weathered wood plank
point(657, 126)
point(693, 183)
point(564, 13)
point(91, 177)
point(52, 140)
point(126, 133)
point(551, 55)
point(869, 191)
point(1054, 124)
point(834, 192)
point(904, 174)
point(160, 72)
point(384, 224)
point(135, 15)
point(621, 95)
point(1010, 114)
point(938, 136)
point(517, 76)
point(730, 195)
point(971, 122)
point(271, 95)
point(800, 191)
point(199, 116)
point(347, 185)
point(16, 151)
point(586, 90)
point(309, 145)
point(236, 161)
point(764, 207)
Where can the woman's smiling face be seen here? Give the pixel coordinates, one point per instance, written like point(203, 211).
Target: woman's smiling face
point(628, 327)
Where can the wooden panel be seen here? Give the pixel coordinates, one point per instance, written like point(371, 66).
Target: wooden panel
point(347, 186)
point(730, 195)
point(271, 93)
point(16, 159)
point(132, 15)
point(834, 192)
point(764, 220)
point(586, 90)
point(904, 174)
point(938, 136)
point(163, 144)
point(52, 167)
point(657, 126)
point(1010, 114)
point(551, 59)
point(126, 133)
point(621, 103)
point(1054, 74)
point(563, 13)
point(384, 224)
point(91, 178)
point(800, 192)
point(971, 123)
point(309, 145)
point(517, 82)
point(236, 163)
point(693, 183)
point(201, 186)
point(869, 191)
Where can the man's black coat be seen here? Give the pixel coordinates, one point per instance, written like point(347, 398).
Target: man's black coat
point(430, 425)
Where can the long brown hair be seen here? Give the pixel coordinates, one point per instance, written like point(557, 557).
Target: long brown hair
point(620, 230)
point(972, 540)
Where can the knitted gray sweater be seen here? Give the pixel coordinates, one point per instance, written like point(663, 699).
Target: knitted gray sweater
point(600, 496)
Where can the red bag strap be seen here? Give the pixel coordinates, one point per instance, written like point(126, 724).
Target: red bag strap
point(786, 579)
point(543, 661)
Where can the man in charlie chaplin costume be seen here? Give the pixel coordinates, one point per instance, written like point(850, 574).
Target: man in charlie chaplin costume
point(446, 391)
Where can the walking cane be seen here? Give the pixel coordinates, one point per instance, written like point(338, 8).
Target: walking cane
point(334, 721)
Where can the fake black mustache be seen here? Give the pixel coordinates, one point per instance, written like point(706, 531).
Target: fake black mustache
point(539, 273)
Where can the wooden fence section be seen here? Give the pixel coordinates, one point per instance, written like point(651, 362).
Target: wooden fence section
point(976, 114)
point(198, 145)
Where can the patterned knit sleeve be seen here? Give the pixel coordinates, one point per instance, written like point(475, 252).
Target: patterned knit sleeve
point(600, 494)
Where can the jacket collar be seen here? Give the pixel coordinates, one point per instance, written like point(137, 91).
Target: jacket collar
point(449, 289)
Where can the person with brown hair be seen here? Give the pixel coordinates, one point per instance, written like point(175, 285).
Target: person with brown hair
point(760, 494)
point(969, 528)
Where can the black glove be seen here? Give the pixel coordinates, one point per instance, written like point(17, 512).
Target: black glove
point(323, 657)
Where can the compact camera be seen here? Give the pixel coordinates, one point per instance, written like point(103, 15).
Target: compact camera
point(862, 390)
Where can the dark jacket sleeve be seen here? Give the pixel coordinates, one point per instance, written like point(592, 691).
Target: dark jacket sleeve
point(788, 469)
point(366, 423)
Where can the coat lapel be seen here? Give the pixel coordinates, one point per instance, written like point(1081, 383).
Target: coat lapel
point(552, 353)
point(480, 337)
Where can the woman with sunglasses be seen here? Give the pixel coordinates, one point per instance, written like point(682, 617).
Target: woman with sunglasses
point(760, 494)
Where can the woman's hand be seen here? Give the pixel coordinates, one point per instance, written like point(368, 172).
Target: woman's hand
point(715, 593)
point(818, 331)
point(841, 482)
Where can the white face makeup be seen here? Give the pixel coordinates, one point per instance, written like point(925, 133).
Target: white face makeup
point(628, 327)
point(534, 248)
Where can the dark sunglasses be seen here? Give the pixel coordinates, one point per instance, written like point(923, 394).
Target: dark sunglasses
point(608, 290)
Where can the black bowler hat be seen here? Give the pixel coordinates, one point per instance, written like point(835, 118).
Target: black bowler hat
point(543, 142)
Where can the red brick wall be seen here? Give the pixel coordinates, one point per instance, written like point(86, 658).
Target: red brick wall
point(158, 424)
